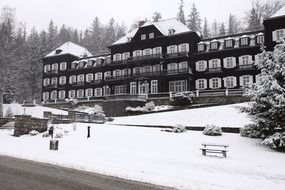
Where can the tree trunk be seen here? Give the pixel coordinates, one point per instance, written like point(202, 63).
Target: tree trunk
point(1, 103)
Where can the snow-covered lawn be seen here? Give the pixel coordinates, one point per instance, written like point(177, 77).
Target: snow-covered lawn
point(147, 154)
point(223, 116)
point(37, 111)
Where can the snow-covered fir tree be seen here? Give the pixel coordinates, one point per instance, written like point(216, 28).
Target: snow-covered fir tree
point(181, 14)
point(156, 17)
point(194, 20)
point(206, 31)
point(267, 95)
point(222, 31)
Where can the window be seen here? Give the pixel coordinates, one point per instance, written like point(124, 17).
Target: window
point(137, 53)
point(90, 63)
point(215, 83)
point(143, 37)
point(46, 82)
point(107, 75)
point(80, 93)
point(136, 70)
point(107, 90)
point(147, 69)
point(117, 57)
point(125, 55)
point(229, 43)
point(147, 52)
point(74, 65)
point(80, 78)
point(71, 94)
point(98, 76)
point(61, 94)
point(184, 47)
point(120, 89)
point(244, 60)
point(98, 92)
point(72, 79)
point(45, 96)
point(229, 62)
point(89, 92)
point(125, 72)
point(133, 88)
point(54, 80)
point(47, 68)
point(81, 64)
point(178, 86)
point(53, 95)
point(63, 66)
point(214, 45)
point(154, 87)
point(260, 39)
point(171, 67)
point(117, 73)
point(229, 82)
point(156, 68)
point(143, 87)
point(244, 41)
point(201, 47)
point(157, 50)
point(214, 63)
point(201, 84)
point(62, 80)
point(89, 77)
point(151, 35)
point(54, 67)
point(246, 80)
point(171, 49)
point(183, 65)
point(279, 35)
point(201, 65)
point(99, 61)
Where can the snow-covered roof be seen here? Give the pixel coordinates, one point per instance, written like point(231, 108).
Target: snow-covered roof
point(279, 13)
point(164, 26)
point(70, 48)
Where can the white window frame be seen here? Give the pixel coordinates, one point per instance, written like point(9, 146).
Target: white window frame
point(230, 82)
point(172, 49)
point(107, 90)
point(214, 45)
point(147, 52)
point(63, 66)
point(72, 79)
point(201, 66)
point(54, 67)
point(178, 86)
point(89, 92)
point(71, 94)
point(47, 68)
point(157, 50)
point(53, 95)
point(133, 88)
point(54, 81)
point(215, 83)
point(151, 35)
point(107, 74)
point(89, 77)
point(98, 92)
point(126, 55)
point(260, 39)
point(183, 47)
point(137, 53)
point(80, 93)
point(244, 41)
point(46, 96)
point(117, 57)
point(62, 80)
point(201, 47)
point(154, 86)
point(61, 95)
point(201, 84)
point(80, 78)
point(120, 89)
point(46, 82)
point(143, 37)
point(229, 43)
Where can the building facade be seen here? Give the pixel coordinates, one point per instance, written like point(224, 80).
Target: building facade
point(156, 60)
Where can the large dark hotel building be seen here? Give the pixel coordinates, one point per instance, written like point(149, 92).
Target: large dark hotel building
point(158, 59)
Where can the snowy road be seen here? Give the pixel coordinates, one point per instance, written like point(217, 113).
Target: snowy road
point(27, 175)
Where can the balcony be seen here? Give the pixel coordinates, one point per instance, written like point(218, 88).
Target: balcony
point(145, 57)
point(95, 81)
point(115, 78)
point(78, 84)
point(51, 86)
point(246, 67)
point(178, 71)
point(52, 72)
point(177, 55)
point(214, 70)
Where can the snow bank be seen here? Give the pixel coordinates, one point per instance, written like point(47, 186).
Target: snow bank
point(223, 116)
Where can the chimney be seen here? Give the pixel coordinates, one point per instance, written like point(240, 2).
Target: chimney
point(141, 23)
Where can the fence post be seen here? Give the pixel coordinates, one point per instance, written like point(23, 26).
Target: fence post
point(197, 93)
point(227, 92)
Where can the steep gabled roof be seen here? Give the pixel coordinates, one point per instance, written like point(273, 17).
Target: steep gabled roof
point(70, 48)
point(163, 26)
point(279, 13)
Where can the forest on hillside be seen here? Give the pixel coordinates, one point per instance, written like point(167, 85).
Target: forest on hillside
point(21, 50)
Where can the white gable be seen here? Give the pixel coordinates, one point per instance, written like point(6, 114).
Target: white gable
point(164, 26)
point(70, 48)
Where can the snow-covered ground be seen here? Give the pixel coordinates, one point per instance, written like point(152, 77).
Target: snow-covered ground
point(37, 111)
point(224, 116)
point(150, 155)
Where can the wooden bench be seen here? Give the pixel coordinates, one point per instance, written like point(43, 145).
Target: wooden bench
point(214, 148)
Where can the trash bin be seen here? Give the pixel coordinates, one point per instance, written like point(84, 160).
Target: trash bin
point(53, 145)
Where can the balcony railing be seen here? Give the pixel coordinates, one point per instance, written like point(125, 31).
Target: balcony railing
point(137, 97)
point(52, 71)
point(177, 54)
point(121, 77)
point(95, 81)
point(248, 66)
point(78, 84)
point(213, 70)
point(51, 86)
point(146, 57)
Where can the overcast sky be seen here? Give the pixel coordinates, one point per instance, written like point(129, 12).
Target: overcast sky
point(80, 13)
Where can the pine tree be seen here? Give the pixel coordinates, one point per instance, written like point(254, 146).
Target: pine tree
point(52, 36)
point(215, 28)
point(194, 21)
point(156, 17)
point(267, 95)
point(234, 25)
point(253, 20)
point(206, 31)
point(222, 31)
point(181, 15)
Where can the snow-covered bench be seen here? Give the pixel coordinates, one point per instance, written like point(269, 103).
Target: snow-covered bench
point(214, 148)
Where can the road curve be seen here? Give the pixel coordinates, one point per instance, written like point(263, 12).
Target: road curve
point(18, 174)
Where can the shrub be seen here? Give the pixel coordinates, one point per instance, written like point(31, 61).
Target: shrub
point(33, 133)
point(251, 130)
point(275, 141)
point(9, 112)
point(212, 130)
point(150, 106)
point(109, 119)
point(45, 135)
point(182, 98)
point(58, 135)
point(179, 128)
